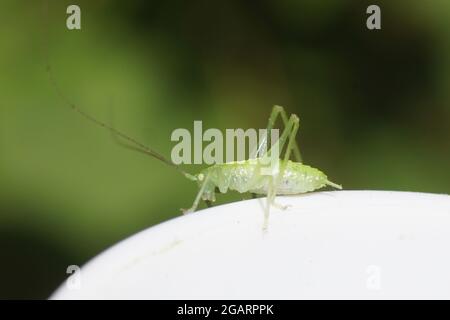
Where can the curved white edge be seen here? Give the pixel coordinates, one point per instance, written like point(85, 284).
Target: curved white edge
point(326, 245)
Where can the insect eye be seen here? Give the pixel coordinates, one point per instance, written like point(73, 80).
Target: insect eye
point(200, 177)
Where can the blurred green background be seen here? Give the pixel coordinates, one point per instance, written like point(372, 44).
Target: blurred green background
point(374, 109)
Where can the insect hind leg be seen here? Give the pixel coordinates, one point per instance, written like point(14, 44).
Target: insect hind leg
point(288, 136)
point(291, 146)
point(270, 200)
point(276, 112)
point(295, 147)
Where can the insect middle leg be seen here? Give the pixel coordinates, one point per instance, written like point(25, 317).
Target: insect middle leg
point(208, 203)
point(198, 197)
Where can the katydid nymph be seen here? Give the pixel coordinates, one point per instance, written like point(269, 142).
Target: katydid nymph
point(245, 176)
point(291, 178)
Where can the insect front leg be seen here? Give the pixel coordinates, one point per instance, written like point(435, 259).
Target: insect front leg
point(199, 196)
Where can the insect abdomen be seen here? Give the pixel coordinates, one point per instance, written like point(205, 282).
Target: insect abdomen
point(300, 178)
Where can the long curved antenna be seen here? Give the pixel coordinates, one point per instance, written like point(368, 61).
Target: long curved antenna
point(135, 145)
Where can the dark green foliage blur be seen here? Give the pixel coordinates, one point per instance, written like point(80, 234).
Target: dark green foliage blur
point(374, 108)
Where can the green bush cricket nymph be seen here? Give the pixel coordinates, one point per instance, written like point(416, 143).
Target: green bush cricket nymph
point(246, 176)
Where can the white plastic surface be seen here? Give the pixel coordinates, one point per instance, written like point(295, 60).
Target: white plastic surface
point(340, 244)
